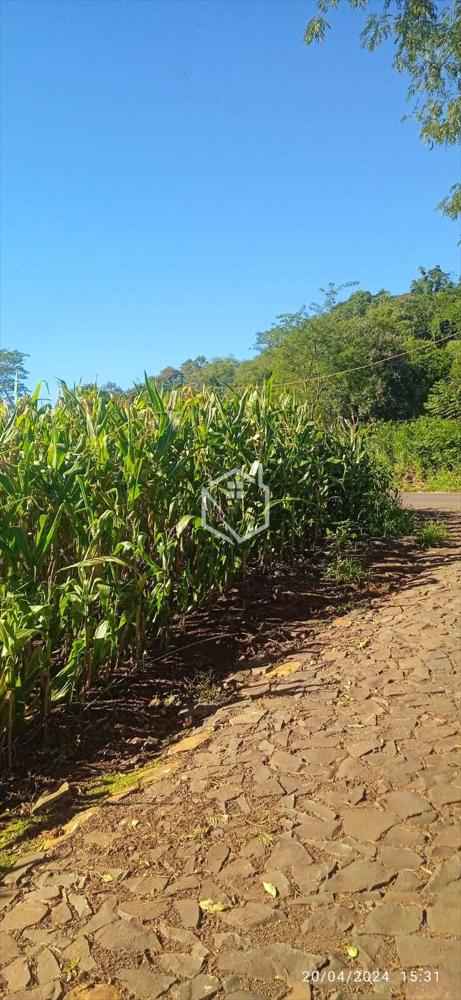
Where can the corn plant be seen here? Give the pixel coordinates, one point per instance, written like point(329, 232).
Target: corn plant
point(101, 539)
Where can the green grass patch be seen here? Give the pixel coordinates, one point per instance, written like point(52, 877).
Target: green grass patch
point(441, 481)
point(114, 784)
point(432, 533)
point(345, 569)
point(16, 838)
point(15, 831)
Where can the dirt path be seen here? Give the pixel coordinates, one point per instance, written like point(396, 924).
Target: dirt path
point(305, 841)
point(434, 503)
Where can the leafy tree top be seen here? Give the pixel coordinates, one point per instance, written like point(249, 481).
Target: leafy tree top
point(13, 375)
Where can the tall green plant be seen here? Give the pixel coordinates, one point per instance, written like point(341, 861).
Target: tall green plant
point(101, 539)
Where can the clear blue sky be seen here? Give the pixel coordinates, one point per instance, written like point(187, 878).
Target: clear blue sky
point(176, 173)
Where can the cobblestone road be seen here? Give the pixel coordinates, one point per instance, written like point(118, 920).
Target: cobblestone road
point(304, 842)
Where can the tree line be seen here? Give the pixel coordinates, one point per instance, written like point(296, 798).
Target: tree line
point(369, 356)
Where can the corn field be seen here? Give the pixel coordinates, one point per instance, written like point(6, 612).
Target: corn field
point(101, 540)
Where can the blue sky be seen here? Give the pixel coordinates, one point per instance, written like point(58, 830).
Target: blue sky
point(178, 172)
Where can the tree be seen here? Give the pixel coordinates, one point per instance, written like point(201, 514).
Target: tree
point(106, 391)
point(13, 376)
point(111, 389)
point(444, 399)
point(427, 47)
point(370, 356)
point(330, 297)
point(432, 280)
point(192, 368)
point(169, 378)
point(220, 372)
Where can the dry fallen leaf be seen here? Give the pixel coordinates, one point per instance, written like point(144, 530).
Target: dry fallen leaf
point(351, 951)
point(271, 889)
point(285, 669)
point(208, 906)
point(265, 838)
point(218, 820)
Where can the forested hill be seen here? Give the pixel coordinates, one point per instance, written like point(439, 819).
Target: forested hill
point(365, 356)
point(400, 354)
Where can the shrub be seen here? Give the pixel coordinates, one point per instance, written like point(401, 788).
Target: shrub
point(417, 450)
point(432, 533)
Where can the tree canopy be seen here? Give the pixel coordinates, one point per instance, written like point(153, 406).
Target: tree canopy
point(371, 356)
point(13, 375)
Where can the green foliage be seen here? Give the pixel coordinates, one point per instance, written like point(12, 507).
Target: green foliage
point(169, 378)
point(368, 357)
point(420, 451)
point(432, 281)
point(441, 481)
point(451, 204)
point(219, 373)
point(13, 376)
point(345, 570)
point(427, 47)
point(101, 540)
point(432, 533)
point(444, 399)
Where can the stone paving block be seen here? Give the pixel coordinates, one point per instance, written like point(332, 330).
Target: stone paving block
point(360, 875)
point(236, 871)
point(124, 936)
point(444, 795)
point(144, 984)
point(448, 836)
point(443, 918)
point(8, 949)
point(139, 909)
point(250, 915)
point(391, 919)
point(311, 878)
point(288, 852)
point(217, 857)
point(23, 915)
point(188, 912)
point(145, 885)
point(446, 873)
point(199, 988)
point(182, 965)
point(17, 975)
point(329, 921)
point(400, 858)
point(367, 822)
point(106, 914)
point(78, 951)
point(406, 804)
point(47, 967)
point(420, 951)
